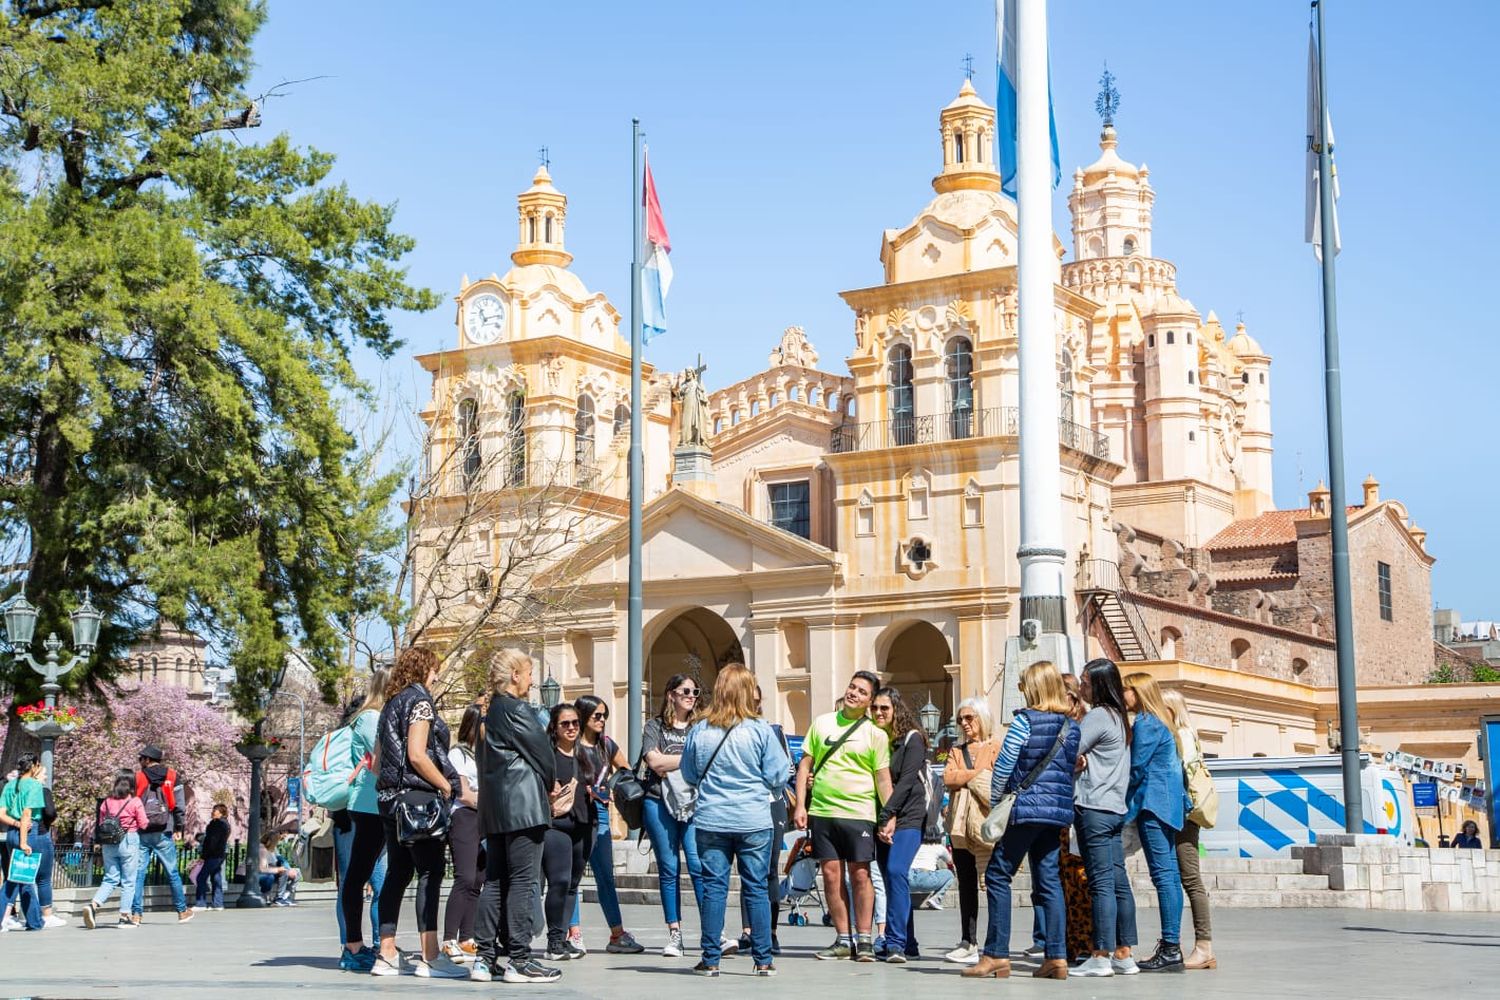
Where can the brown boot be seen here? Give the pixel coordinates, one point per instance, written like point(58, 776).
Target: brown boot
point(1052, 968)
point(988, 968)
point(1202, 957)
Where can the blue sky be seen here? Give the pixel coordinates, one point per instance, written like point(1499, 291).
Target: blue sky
point(786, 136)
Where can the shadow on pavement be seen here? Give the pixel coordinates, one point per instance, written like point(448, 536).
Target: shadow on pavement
point(1426, 934)
point(307, 961)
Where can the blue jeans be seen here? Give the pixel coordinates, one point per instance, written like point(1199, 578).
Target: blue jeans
point(1040, 845)
point(1158, 841)
point(895, 861)
point(931, 881)
point(164, 849)
point(37, 895)
point(120, 862)
point(1109, 885)
point(750, 851)
point(210, 884)
point(669, 838)
point(602, 861)
point(343, 844)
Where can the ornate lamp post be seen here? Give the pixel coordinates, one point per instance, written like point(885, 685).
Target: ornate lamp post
point(20, 624)
point(551, 693)
point(931, 717)
point(257, 752)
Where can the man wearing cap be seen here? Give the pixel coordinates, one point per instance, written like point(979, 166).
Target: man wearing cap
point(156, 785)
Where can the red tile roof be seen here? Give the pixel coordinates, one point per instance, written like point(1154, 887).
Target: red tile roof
point(1274, 527)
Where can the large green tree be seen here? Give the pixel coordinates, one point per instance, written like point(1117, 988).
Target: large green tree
point(179, 300)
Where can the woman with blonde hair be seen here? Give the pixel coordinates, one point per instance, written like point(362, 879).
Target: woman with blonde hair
point(735, 761)
point(1188, 866)
point(1156, 798)
point(966, 775)
point(1036, 763)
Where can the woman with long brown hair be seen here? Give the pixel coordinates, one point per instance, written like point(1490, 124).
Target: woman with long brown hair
point(667, 812)
point(898, 827)
point(735, 761)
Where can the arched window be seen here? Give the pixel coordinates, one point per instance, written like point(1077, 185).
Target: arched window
point(718, 424)
point(775, 398)
point(468, 442)
point(1168, 644)
point(959, 367)
point(735, 416)
point(548, 229)
point(622, 418)
point(531, 229)
point(755, 407)
point(815, 397)
point(515, 468)
point(1065, 386)
point(958, 147)
point(903, 403)
point(833, 400)
point(1129, 245)
point(583, 438)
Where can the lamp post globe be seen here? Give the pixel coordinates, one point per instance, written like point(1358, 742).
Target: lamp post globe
point(551, 693)
point(20, 622)
point(931, 717)
point(86, 619)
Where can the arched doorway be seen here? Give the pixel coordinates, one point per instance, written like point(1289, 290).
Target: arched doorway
point(696, 642)
point(915, 662)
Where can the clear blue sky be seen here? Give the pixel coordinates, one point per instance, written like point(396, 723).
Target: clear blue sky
point(787, 135)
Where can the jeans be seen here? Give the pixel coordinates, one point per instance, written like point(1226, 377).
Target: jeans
point(1040, 845)
point(1192, 881)
point(602, 862)
point(162, 847)
point(1109, 885)
point(1157, 840)
point(895, 861)
point(37, 895)
point(773, 884)
point(210, 873)
point(930, 882)
point(508, 902)
point(120, 861)
point(669, 837)
point(750, 851)
point(359, 860)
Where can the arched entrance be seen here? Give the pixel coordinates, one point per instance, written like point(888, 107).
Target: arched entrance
point(696, 642)
point(915, 662)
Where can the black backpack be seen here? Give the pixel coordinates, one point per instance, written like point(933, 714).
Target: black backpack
point(158, 801)
point(109, 830)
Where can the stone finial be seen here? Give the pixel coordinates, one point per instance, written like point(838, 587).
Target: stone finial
point(1317, 500)
point(794, 349)
point(1372, 491)
point(1418, 535)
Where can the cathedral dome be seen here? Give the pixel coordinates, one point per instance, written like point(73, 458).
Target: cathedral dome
point(1109, 161)
point(528, 279)
point(1242, 344)
point(1170, 304)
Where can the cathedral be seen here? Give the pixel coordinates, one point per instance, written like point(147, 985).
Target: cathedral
point(863, 513)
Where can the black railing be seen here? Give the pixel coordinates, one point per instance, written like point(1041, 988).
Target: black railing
point(83, 867)
point(908, 429)
point(1084, 439)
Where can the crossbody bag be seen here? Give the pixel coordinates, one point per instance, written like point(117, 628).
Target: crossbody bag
point(999, 817)
point(833, 748)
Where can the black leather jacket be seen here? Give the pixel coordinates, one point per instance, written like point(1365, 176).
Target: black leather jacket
point(516, 769)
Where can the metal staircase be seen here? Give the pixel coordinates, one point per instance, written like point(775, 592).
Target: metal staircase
point(1107, 600)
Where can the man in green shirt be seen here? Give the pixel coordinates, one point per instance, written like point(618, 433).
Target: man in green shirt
point(847, 761)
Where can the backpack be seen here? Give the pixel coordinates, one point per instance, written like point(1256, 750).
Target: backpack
point(331, 770)
point(109, 829)
point(159, 801)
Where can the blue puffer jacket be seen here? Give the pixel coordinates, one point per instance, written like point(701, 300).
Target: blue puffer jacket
point(1049, 801)
point(1156, 782)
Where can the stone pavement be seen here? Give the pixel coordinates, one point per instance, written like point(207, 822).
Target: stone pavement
point(1324, 953)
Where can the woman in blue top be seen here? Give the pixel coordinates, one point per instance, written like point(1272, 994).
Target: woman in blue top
point(1040, 812)
point(359, 838)
point(1158, 801)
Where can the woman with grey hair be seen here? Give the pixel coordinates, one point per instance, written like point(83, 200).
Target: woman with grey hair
point(967, 778)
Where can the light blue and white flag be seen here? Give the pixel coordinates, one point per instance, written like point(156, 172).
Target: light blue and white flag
point(1005, 100)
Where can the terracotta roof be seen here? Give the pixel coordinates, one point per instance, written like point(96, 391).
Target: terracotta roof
point(1254, 576)
point(1274, 527)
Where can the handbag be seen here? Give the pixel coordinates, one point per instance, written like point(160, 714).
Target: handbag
point(1201, 790)
point(970, 804)
point(628, 795)
point(999, 816)
point(420, 814)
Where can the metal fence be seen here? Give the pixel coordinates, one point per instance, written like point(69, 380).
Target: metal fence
point(83, 867)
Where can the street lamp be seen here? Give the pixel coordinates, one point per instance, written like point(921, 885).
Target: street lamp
point(931, 717)
point(551, 693)
point(20, 626)
point(257, 753)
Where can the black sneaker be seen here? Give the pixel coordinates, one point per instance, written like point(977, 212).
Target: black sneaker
point(775, 945)
point(864, 950)
point(1168, 958)
point(704, 969)
point(558, 951)
point(531, 971)
point(745, 943)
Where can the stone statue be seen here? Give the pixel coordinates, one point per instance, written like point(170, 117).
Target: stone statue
point(694, 423)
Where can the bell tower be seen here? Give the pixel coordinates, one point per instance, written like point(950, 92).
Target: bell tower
point(967, 126)
point(543, 214)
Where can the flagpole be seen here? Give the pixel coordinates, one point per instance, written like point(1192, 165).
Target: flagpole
point(1343, 613)
point(637, 472)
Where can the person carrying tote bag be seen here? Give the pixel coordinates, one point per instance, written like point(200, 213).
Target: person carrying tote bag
point(1201, 816)
point(966, 776)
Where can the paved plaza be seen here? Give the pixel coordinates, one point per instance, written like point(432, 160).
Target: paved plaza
point(1320, 953)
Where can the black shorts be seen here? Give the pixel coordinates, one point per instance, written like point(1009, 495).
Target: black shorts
point(842, 839)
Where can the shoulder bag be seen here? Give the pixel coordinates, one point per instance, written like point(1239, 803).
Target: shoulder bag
point(1200, 788)
point(999, 817)
point(833, 748)
point(970, 804)
point(420, 814)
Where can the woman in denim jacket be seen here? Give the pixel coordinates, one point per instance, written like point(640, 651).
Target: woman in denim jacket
point(1157, 799)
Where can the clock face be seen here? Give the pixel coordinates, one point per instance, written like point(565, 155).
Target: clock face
point(484, 318)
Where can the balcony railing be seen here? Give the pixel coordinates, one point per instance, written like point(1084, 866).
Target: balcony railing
point(928, 428)
point(1084, 439)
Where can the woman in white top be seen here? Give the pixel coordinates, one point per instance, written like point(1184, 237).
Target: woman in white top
point(466, 843)
point(1202, 956)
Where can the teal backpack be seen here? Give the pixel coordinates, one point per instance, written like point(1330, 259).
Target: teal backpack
point(331, 770)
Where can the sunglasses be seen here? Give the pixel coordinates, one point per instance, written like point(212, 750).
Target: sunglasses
point(568, 724)
point(968, 718)
point(600, 715)
point(882, 708)
point(687, 692)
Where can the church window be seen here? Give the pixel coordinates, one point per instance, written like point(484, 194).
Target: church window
point(516, 466)
point(1192, 377)
point(1129, 245)
point(1190, 336)
point(1192, 436)
point(795, 393)
point(1239, 654)
point(916, 498)
point(755, 407)
point(903, 403)
point(531, 229)
point(1245, 377)
point(833, 401)
point(1169, 337)
point(583, 436)
point(1262, 378)
point(815, 397)
point(622, 418)
point(468, 437)
point(1383, 583)
point(790, 507)
point(959, 364)
point(775, 399)
point(718, 424)
point(1150, 340)
point(548, 229)
point(958, 147)
point(735, 416)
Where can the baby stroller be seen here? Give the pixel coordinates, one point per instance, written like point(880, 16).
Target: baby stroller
point(800, 886)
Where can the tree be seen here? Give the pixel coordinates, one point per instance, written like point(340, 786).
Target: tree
point(178, 308)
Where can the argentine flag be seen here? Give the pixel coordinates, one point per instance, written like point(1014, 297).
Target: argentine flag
point(656, 272)
point(1005, 100)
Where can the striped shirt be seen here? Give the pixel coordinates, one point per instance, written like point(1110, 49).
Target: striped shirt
point(1016, 738)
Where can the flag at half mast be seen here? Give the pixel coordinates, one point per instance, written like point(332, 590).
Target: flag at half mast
point(656, 272)
point(1006, 112)
point(1316, 136)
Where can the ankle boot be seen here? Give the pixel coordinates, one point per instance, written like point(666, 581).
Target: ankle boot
point(1052, 968)
point(1202, 957)
point(1168, 958)
point(988, 968)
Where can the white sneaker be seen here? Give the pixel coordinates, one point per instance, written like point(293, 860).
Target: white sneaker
point(53, 920)
point(673, 947)
point(729, 946)
point(385, 967)
point(441, 967)
point(1097, 965)
point(1124, 966)
point(12, 924)
point(479, 972)
point(1035, 952)
point(964, 954)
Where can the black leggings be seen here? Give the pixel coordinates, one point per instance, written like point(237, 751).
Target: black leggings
point(565, 851)
point(967, 871)
point(425, 858)
point(468, 875)
point(364, 854)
